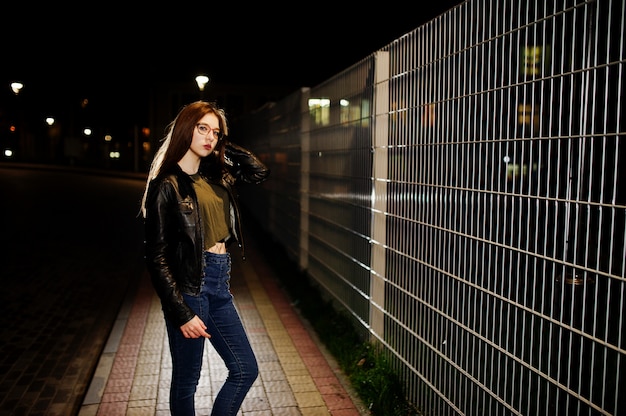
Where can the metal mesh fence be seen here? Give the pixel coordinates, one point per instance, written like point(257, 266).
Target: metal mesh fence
point(461, 193)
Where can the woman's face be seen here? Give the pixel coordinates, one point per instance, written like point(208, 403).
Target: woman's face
point(205, 135)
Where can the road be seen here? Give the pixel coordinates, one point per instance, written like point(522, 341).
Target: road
point(71, 249)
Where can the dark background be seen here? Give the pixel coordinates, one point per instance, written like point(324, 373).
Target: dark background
point(124, 72)
point(118, 52)
point(72, 247)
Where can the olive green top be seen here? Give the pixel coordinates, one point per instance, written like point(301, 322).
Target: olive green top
point(214, 210)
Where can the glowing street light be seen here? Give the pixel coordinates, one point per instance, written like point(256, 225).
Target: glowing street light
point(16, 87)
point(202, 80)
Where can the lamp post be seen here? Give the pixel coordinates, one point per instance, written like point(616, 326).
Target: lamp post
point(53, 138)
point(19, 138)
point(202, 80)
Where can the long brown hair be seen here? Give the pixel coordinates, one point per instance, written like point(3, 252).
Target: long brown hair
point(178, 140)
point(182, 129)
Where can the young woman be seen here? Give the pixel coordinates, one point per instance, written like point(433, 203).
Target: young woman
point(191, 216)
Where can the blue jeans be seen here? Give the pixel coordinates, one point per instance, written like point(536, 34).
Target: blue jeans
point(214, 305)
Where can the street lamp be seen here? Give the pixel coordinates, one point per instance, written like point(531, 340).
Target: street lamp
point(202, 80)
point(16, 87)
point(19, 122)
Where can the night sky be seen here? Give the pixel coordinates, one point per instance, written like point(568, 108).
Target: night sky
point(115, 52)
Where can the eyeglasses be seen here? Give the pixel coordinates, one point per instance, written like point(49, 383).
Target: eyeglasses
point(204, 130)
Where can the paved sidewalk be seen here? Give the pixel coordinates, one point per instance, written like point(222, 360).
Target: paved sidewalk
point(296, 376)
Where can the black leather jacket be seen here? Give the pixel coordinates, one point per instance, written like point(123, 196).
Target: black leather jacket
point(173, 231)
